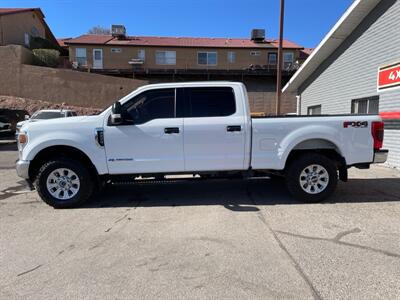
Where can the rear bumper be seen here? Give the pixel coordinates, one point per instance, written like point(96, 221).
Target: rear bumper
point(23, 168)
point(380, 156)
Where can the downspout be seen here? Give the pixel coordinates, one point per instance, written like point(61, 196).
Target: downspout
point(298, 105)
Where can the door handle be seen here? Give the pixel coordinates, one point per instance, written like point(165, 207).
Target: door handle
point(233, 128)
point(171, 130)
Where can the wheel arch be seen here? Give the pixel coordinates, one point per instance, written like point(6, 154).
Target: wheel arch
point(59, 151)
point(318, 145)
point(310, 138)
point(321, 146)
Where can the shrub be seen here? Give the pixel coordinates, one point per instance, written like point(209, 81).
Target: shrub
point(46, 57)
point(37, 42)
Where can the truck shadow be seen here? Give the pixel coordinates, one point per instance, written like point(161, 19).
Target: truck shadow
point(239, 195)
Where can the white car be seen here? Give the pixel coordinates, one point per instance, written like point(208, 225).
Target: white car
point(201, 128)
point(46, 114)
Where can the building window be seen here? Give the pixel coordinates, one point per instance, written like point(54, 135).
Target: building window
point(231, 57)
point(80, 55)
point(34, 31)
point(314, 110)
point(272, 58)
point(141, 54)
point(27, 39)
point(288, 57)
point(207, 58)
point(368, 106)
point(116, 50)
point(165, 57)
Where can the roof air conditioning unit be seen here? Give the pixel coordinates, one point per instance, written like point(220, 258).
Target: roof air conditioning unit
point(258, 35)
point(118, 31)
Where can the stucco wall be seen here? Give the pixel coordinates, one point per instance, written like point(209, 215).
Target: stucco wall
point(14, 26)
point(15, 54)
point(59, 85)
point(18, 78)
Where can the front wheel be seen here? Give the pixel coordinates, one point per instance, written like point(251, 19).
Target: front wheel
point(312, 177)
point(64, 183)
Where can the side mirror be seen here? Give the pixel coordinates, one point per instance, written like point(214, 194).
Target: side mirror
point(26, 117)
point(116, 117)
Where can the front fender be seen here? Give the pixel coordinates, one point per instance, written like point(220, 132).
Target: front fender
point(94, 152)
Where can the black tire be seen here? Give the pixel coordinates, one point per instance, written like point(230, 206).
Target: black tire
point(294, 170)
point(86, 183)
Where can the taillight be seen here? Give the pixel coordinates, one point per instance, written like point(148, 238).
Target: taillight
point(377, 133)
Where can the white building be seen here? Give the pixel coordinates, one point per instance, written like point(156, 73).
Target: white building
point(356, 69)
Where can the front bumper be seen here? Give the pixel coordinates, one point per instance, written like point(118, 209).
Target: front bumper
point(380, 156)
point(23, 168)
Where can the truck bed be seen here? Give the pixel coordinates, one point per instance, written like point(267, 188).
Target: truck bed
point(273, 138)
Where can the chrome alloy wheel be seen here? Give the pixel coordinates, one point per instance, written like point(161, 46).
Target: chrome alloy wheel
point(314, 179)
point(63, 184)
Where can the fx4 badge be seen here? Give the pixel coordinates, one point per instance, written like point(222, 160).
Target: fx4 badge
point(356, 124)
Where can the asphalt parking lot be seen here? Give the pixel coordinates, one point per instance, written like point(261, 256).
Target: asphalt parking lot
point(216, 239)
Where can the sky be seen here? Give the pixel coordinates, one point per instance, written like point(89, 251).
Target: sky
point(306, 21)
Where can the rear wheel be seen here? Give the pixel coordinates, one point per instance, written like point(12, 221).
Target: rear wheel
point(312, 177)
point(64, 183)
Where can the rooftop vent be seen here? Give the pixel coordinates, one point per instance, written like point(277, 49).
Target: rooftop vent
point(258, 35)
point(118, 31)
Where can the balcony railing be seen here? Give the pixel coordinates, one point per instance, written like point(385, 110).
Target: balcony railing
point(288, 67)
point(138, 67)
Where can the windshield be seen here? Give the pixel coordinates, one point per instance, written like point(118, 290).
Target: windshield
point(44, 115)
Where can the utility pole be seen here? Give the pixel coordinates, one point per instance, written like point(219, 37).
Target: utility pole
point(280, 59)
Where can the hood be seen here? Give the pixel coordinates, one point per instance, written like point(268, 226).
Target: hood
point(22, 123)
point(61, 123)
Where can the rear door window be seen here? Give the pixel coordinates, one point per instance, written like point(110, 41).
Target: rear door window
point(209, 102)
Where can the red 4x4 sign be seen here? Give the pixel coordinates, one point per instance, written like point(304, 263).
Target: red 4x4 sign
point(389, 77)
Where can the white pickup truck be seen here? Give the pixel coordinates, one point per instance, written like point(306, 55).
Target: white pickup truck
point(199, 128)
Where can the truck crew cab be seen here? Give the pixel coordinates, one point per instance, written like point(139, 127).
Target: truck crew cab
point(201, 128)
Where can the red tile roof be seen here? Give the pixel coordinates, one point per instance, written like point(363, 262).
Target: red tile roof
point(305, 53)
point(179, 42)
point(62, 41)
point(308, 50)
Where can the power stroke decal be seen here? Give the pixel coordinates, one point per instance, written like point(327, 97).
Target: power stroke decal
point(120, 159)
